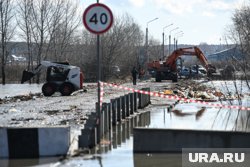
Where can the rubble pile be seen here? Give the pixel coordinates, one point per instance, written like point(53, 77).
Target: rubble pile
point(193, 90)
point(30, 96)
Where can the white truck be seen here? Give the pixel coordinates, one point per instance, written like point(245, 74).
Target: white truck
point(61, 77)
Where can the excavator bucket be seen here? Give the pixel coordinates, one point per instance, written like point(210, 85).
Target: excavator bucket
point(27, 75)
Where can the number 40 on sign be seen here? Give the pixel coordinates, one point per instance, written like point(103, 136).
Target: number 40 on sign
point(97, 18)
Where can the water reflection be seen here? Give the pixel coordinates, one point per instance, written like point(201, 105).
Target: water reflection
point(118, 151)
point(157, 160)
point(182, 116)
point(124, 130)
point(27, 162)
point(195, 116)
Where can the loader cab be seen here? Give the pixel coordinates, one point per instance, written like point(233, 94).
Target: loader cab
point(56, 74)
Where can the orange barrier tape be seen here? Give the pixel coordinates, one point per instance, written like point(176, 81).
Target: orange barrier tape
point(176, 97)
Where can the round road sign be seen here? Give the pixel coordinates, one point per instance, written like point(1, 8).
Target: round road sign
point(97, 18)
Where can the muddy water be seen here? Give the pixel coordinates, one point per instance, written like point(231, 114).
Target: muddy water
point(117, 147)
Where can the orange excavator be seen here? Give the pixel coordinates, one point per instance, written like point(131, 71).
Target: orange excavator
point(167, 70)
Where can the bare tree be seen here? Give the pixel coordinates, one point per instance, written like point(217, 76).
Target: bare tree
point(62, 33)
point(154, 49)
point(120, 46)
point(41, 18)
point(241, 23)
point(48, 27)
point(6, 31)
point(24, 20)
point(240, 34)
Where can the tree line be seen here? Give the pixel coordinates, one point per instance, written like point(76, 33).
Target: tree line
point(239, 33)
point(52, 30)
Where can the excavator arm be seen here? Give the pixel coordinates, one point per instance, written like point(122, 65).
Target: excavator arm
point(190, 51)
point(168, 69)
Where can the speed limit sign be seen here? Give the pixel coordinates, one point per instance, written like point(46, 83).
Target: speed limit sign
point(97, 18)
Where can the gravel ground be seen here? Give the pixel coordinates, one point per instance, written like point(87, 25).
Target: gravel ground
point(35, 110)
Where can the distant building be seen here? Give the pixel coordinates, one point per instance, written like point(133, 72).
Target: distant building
point(226, 55)
point(18, 58)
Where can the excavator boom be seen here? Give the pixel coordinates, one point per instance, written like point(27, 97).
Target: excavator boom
point(190, 51)
point(168, 69)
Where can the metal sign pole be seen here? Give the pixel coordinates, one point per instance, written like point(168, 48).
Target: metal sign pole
point(98, 18)
point(98, 87)
point(98, 72)
point(98, 69)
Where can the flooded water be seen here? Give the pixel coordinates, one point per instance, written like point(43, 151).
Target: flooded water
point(119, 152)
point(117, 149)
point(190, 116)
point(19, 89)
point(197, 117)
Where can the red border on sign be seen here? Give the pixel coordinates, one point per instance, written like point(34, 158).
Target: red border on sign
point(90, 7)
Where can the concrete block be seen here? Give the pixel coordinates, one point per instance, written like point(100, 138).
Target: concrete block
point(144, 99)
point(34, 142)
point(91, 121)
point(4, 150)
point(105, 117)
point(53, 141)
point(123, 106)
point(114, 111)
point(135, 101)
point(88, 138)
point(132, 109)
point(23, 142)
point(109, 116)
point(150, 140)
point(127, 105)
point(119, 115)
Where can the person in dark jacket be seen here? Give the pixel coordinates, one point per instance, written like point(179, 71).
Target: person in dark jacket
point(134, 73)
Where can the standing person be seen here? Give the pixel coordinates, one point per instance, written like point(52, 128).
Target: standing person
point(134, 75)
point(197, 68)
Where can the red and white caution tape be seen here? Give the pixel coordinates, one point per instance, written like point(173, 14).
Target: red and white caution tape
point(176, 97)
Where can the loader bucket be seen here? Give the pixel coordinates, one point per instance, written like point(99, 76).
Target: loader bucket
point(27, 76)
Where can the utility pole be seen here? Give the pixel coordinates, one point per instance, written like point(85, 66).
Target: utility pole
point(170, 39)
point(147, 38)
point(163, 40)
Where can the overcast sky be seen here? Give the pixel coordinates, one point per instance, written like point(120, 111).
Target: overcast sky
point(200, 20)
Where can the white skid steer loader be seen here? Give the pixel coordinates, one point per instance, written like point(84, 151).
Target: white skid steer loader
point(61, 77)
